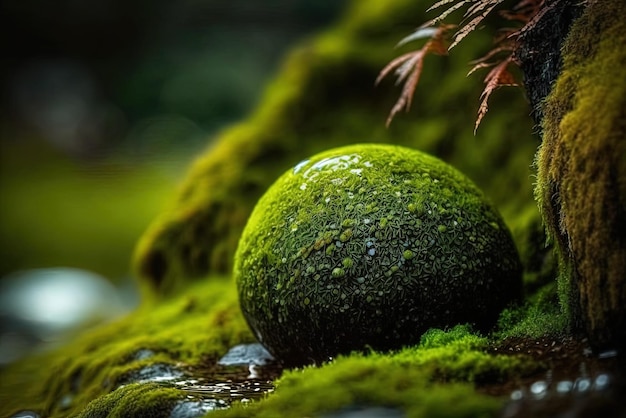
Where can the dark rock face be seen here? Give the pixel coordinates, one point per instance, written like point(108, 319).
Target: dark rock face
point(540, 52)
point(371, 245)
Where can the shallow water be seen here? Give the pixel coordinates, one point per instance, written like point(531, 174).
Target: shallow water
point(245, 374)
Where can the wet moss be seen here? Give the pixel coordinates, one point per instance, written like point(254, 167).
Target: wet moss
point(93, 376)
point(198, 326)
point(409, 380)
point(135, 400)
point(582, 173)
point(453, 262)
point(324, 96)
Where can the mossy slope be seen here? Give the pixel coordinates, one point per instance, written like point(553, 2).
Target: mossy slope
point(324, 97)
point(581, 185)
point(196, 327)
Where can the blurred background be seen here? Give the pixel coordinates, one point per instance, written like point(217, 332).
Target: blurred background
point(103, 104)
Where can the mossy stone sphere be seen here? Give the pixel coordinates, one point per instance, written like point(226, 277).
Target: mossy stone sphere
point(370, 246)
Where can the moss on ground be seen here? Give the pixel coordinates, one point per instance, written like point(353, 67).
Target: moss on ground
point(434, 379)
point(93, 377)
point(581, 185)
point(198, 326)
point(540, 316)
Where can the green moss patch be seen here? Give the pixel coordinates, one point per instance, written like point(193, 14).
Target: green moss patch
point(93, 377)
point(540, 316)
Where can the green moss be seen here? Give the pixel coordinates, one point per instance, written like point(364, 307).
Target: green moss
point(405, 380)
point(434, 378)
point(582, 173)
point(135, 400)
point(540, 316)
point(323, 97)
point(458, 265)
point(199, 325)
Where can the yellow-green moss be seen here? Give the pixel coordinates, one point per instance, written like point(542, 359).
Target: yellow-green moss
point(148, 400)
point(582, 172)
point(324, 96)
point(199, 325)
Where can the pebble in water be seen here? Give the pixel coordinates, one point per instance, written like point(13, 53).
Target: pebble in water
point(196, 408)
point(158, 372)
point(246, 355)
point(221, 387)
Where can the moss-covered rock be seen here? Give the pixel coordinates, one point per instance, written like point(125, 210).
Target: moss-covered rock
point(371, 245)
point(581, 185)
point(323, 97)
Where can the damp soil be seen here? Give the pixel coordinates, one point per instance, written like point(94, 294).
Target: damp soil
point(572, 380)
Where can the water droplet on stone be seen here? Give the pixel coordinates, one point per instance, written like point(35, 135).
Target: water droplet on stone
point(539, 389)
point(602, 382)
point(582, 384)
point(517, 395)
point(564, 386)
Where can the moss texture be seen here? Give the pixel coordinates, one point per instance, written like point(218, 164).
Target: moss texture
point(324, 96)
point(581, 184)
point(371, 245)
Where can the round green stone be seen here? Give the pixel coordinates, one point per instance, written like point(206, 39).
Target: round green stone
point(371, 245)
